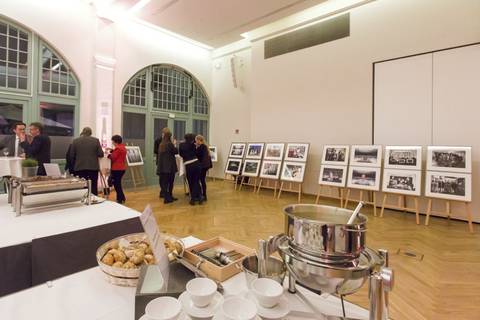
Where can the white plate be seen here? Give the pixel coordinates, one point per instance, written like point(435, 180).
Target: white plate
point(277, 312)
point(205, 312)
point(182, 316)
point(219, 316)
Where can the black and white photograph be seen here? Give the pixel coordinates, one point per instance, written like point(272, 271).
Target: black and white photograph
point(233, 166)
point(293, 171)
point(366, 155)
point(237, 150)
point(450, 186)
point(134, 156)
point(297, 152)
point(270, 169)
point(403, 157)
point(402, 182)
point(255, 150)
point(333, 175)
point(251, 168)
point(274, 151)
point(451, 159)
point(213, 153)
point(336, 155)
point(364, 178)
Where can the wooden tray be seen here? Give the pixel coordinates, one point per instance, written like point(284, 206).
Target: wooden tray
point(213, 271)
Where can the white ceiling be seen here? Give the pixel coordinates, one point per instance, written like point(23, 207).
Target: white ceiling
point(218, 22)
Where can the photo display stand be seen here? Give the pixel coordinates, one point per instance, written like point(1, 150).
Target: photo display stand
point(251, 165)
point(233, 167)
point(333, 172)
point(271, 167)
point(293, 169)
point(402, 178)
point(135, 167)
point(449, 179)
point(214, 157)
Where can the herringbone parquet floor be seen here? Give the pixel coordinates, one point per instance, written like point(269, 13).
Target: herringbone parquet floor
point(445, 284)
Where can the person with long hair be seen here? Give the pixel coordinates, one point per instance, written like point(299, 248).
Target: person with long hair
point(118, 158)
point(187, 150)
point(155, 151)
point(167, 166)
point(203, 155)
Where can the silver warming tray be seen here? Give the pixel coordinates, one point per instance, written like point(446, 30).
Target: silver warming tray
point(42, 191)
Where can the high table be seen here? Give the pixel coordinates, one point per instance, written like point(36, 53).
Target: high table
point(48, 243)
point(86, 295)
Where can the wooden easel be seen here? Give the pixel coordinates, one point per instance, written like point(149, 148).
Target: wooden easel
point(254, 184)
point(136, 173)
point(347, 199)
point(268, 185)
point(401, 205)
point(340, 191)
point(291, 189)
point(448, 211)
point(231, 178)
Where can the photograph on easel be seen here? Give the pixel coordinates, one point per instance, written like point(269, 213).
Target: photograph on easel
point(134, 156)
point(255, 150)
point(335, 154)
point(333, 175)
point(402, 182)
point(270, 169)
point(403, 157)
point(293, 171)
point(364, 178)
point(451, 159)
point(233, 166)
point(213, 153)
point(274, 151)
point(449, 186)
point(297, 152)
point(237, 150)
point(366, 155)
point(251, 168)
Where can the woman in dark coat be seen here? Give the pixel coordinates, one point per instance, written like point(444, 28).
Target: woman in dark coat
point(187, 150)
point(167, 166)
point(203, 155)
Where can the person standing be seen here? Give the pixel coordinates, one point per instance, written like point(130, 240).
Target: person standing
point(12, 142)
point(187, 150)
point(118, 166)
point(167, 166)
point(85, 153)
point(156, 145)
point(203, 155)
point(38, 148)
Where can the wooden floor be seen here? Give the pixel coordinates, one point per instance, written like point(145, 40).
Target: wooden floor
point(444, 284)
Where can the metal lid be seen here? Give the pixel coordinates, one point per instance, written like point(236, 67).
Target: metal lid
point(320, 214)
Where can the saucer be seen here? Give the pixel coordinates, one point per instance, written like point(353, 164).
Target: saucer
point(182, 316)
point(219, 316)
point(197, 312)
point(277, 312)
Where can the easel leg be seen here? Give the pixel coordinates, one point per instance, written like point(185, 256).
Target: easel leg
point(340, 191)
point(347, 198)
point(361, 195)
point(280, 191)
point(429, 211)
point(417, 213)
point(275, 189)
point(447, 204)
point(134, 180)
point(299, 192)
point(469, 216)
point(318, 194)
point(384, 201)
point(255, 185)
point(374, 199)
point(241, 184)
point(259, 186)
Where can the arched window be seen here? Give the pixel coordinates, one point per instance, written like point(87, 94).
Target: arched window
point(36, 84)
point(162, 96)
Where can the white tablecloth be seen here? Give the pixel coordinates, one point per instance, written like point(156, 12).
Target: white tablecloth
point(86, 295)
point(10, 166)
point(43, 222)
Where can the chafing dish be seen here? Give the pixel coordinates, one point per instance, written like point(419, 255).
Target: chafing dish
point(42, 191)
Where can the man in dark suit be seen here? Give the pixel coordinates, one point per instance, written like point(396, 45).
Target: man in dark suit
point(38, 148)
point(12, 142)
point(85, 152)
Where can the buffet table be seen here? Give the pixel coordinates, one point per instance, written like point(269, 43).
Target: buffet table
point(86, 295)
point(48, 243)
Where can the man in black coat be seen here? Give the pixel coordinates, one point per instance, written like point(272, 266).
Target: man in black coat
point(12, 142)
point(38, 148)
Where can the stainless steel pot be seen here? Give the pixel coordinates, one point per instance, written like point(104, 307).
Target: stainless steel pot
point(276, 269)
point(322, 231)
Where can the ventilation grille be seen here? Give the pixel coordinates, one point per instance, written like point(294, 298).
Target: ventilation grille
point(322, 32)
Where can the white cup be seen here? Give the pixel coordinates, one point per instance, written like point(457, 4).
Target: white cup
point(163, 308)
point(201, 291)
point(267, 291)
point(237, 308)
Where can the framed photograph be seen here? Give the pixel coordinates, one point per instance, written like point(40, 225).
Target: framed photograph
point(293, 171)
point(213, 153)
point(402, 182)
point(255, 150)
point(251, 168)
point(451, 159)
point(274, 151)
point(237, 150)
point(297, 152)
point(270, 169)
point(336, 155)
point(333, 175)
point(366, 156)
point(233, 166)
point(403, 157)
point(450, 186)
point(364, 178)
point(134, 156)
